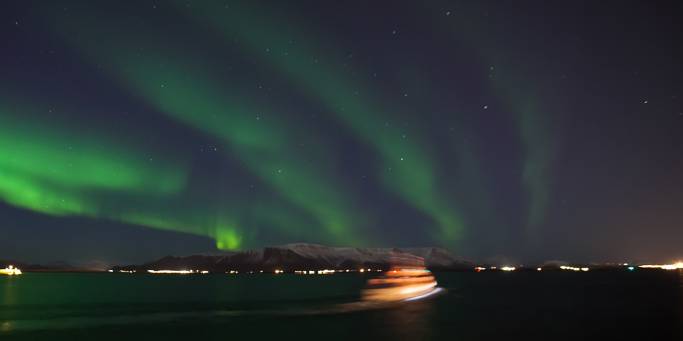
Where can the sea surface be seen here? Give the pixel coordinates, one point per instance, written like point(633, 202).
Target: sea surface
point(645, 305)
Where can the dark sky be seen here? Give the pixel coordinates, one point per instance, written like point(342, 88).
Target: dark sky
point(521, 130)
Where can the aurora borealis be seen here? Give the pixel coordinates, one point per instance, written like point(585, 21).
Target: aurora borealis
point(493, 129)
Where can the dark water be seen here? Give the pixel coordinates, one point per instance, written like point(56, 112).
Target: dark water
point(477, 306)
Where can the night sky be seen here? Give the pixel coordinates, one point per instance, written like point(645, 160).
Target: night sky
point(521, 130)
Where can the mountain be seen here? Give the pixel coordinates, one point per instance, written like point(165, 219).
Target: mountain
point(301, 256)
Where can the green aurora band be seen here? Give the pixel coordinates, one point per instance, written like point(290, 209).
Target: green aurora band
point(407, 168)
point(518, 93)
point(48, 168)
point(265, 149)
point(307, 198)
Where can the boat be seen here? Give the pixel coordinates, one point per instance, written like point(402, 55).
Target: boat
point(401, 284)
point(10, 271)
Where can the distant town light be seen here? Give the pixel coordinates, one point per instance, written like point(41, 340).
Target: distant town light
point(11, 271)
point(675, 266)
point(176, 272)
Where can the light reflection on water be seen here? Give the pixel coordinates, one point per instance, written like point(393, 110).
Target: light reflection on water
point(101, 309)
point(407, 322)
point(398, 314)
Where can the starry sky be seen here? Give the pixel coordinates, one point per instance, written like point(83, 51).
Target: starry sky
point(518, 130)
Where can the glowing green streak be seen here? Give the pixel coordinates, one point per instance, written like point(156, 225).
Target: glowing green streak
point(35, 151)
point(537, 168)
point(264, 148)
point(225, 235)
point(54, 170)
point(28, 193)
point(538, 143)
point(516, 90)
point(227, 239)
point(406, 168)
point(188, 94)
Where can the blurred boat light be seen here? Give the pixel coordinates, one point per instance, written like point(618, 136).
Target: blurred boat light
point(400, 284)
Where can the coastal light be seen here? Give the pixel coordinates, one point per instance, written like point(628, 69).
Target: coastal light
point(11, 271)
point(674, 266)
point(325, 272)
point(176, 272)
point(508, 268)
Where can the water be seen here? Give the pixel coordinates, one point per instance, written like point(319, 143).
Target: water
point(475, 306)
